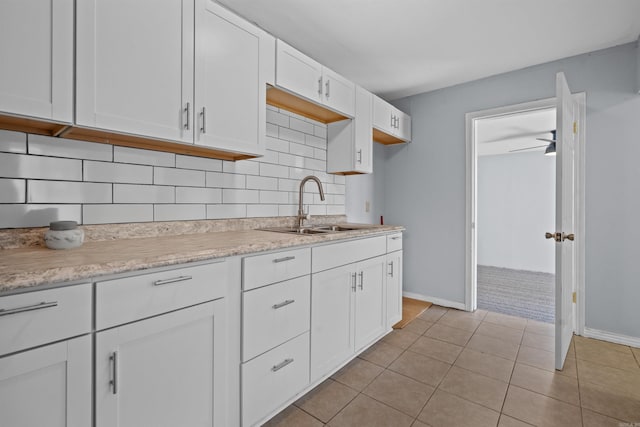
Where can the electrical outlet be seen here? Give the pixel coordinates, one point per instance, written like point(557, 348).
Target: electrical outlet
point(367, 206)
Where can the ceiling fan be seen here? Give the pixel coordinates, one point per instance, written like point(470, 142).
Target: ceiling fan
point(551, 147)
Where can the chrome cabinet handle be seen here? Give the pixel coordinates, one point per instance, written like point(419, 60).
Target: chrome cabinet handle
point(283, 304)
point(39, 306)
point(392, 120)
point(203, 128)
point(173, 280)
point(283, 259)
point(114, 372)
point(187, 110)
point(281, 365)
point(361, 280)
point(320, 86)
point(395, 237)
point(353, 281)
point(390, 269)
point(359, 159)
point(327, 86)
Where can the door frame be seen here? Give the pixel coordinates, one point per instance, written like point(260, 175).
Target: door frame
point(471, 260)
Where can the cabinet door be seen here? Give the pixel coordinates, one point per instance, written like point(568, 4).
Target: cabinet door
point(230, 82)
point(394, 288)
point(332, 304)
point(298, 73)
point(168, 370)
point(134, 67)
point(339, 93)
point(403, 126)
point(47, 386)
point(36, 46)
point(382, 115)
point(363, 132)
point(370, 299)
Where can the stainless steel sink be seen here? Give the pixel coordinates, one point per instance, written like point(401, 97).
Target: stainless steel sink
point(317, 229)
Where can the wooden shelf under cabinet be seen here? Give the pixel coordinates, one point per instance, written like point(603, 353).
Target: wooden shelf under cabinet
point(385, 138)
point(282, 99)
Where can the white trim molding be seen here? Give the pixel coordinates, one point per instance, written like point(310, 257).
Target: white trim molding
point(611, 337)
point(436, 301)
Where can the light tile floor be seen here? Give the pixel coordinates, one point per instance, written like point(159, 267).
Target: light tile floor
point(453, 368)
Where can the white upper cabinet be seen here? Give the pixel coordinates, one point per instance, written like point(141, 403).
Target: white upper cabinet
point(301, 75)
point(135, 67)
point(349, 142)
point(391, 126)
point(36, 47)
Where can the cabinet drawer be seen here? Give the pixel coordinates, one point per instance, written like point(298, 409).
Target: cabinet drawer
point(36, 318)
point(132, 298)
point(262, 270)
point(337, 254)
point(270, 380)
point(274, 314)
point(394, 242)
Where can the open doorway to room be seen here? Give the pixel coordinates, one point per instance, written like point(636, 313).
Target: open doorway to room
point(515, 206)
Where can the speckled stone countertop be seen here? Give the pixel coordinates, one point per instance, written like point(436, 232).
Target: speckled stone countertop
point(35, 265)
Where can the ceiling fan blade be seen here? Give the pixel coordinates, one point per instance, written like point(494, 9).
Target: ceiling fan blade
point(528, 148)
point(513, 136)
point(545, 139)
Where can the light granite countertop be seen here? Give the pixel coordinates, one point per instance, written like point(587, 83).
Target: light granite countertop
point(32, 266)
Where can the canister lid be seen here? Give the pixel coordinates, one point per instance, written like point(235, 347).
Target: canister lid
point(63, 225)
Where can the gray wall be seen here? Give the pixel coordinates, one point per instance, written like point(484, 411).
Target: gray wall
point(425, 180)
point(515, 207)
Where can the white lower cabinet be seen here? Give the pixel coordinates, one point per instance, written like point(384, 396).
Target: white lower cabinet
point(394, 288)
point(47, 386)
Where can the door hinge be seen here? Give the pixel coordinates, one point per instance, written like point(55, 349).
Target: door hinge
point(575, 127)
point(574, 297)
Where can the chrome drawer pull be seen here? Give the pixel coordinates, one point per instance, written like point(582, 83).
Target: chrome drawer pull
point(395, 237)
point(287, 258)
point(282, 304)
point(281, 365)
point(353, 281)
point(391, 269)
point(114, 372)
point(361, 274)
point(174, 280)
point(6, 312)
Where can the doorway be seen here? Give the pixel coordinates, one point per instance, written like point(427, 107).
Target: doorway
point(515, 207)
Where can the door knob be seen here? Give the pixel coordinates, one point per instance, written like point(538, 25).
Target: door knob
point(567, 237)
point(555, 236)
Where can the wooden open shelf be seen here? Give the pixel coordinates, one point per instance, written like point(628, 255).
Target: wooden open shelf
point(23, 124)
point(282, 99)
point(385, 138)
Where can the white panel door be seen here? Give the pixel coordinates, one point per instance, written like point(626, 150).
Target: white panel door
point(332, 318)
point(394, 288)
point(382, 117)
point(168, 370)
point(370, 307)
point(36, 47)
point(339, 93)
point(566, 116)
point(363, 132)
point(298, 73)
point(47, 386)
point(230, 86)
point(134, 67)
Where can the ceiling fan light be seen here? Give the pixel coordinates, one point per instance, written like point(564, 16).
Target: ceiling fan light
point(551, 149)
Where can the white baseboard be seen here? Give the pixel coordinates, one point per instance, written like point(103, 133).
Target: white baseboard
point(612, 337)
point(437, 301)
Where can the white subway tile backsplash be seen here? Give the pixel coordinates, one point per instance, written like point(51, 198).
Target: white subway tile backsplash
point(262, 210)
point(241, 167)
point(68, 192)
point(320, 131)
point(183, 177)
point(335, 210)
point(111, 214)
point(320, 154)
point(277, 118)
point(287, 210)
point(277, 171)
point(315, 141)
point(288, 185)
point(226, 180)
point(240, 196)
point(19, 216)
point(133, 193)
point(300, 125)
point(276, 144)
point(317, 209)
point(143, 157)
point(198, 163)
point(277, 197)
point(12, 190)
point(179, 212)
point(291, 160)
point(117, 172)
point(198, 195)
point(335, 189)
point(316, 165)
point(339, 179)
point(226, 211)
point(14, 142)
point(262, 183)
point(301, 150)
point(37, 167)
point(272, 130)
point(292, 135)
point(70, 148)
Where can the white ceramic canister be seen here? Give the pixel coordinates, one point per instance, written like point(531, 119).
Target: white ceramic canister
point(63, 235)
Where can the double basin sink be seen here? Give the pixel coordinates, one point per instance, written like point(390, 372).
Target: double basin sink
point(316, 229)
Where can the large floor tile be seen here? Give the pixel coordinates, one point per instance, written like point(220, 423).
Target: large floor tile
point(621, 380)
point(612, 403)
point(543, 342)
point(365, 411)
point(418, 326)
point(446, 410)
point(400, 392)
point(381, 353)
point(400, 338)
point(448, 334)
point(540, 328)
point(540, 410)
point(507, 421)
point(357, 374)
point(326, 400)
point(604, 353)
point(498, 331)
point(421, 368)
point(475, 388)
point(550, 384)
point(437, 349)
point(454, 319)
point(433, 313)
point(506, 320)
point(293, 417)
point(494, 346)
point(593, 419)
point(486, 364)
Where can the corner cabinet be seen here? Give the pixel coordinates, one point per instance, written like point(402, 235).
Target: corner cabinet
point(390, 125)
point(36, 45)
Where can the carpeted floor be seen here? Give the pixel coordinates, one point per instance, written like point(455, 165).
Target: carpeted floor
point(528, 294)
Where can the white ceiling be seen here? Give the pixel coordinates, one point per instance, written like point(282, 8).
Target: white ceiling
point(504, 134)
point(397, 48)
